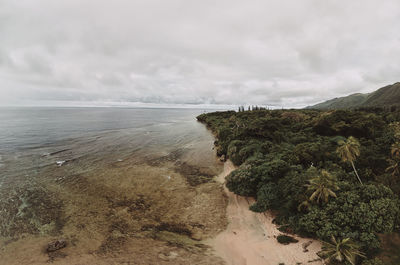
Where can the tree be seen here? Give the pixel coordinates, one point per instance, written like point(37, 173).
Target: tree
point(341, 250)
point(360, 212)
point(394, 167)
point(349, 151)
point(394, 161)
point(322, 187)
point(395, 150)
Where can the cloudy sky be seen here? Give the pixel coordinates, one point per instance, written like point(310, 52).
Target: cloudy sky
point(267, 52)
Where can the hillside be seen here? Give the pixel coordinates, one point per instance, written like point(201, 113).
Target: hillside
point(384, 97)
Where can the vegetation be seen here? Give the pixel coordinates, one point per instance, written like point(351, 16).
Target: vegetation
point(374, 261)
point(322, 186)
point(285, 240)
point(341, 250)
point(387, 97)
point(302, 164)
point(349, 151)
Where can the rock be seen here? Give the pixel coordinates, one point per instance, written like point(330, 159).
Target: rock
point(172, 255)
point(222, 158)
point(169, 256)
point(305, 245)
point(55, 255)
point(56, 245)
point(163, 257)
point(197, 235)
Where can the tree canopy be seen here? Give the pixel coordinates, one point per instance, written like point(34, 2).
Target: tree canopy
point(302, 164)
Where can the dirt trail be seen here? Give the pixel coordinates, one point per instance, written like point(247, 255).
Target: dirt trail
point(250, 238)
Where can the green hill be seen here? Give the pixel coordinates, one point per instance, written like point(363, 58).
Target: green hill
point(384, 97)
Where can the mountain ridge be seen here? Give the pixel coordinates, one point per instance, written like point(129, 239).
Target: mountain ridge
point(384, 97)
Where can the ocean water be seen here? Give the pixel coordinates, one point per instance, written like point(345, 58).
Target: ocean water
point(31, 138)
point(64, 171)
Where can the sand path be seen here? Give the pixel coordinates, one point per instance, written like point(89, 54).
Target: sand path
point(250, 238)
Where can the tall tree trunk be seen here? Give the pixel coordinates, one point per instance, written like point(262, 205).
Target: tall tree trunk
point(355, 171)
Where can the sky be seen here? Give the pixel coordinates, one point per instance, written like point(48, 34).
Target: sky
point(276, 53)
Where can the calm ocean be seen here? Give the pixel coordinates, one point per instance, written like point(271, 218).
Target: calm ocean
point(54, 160)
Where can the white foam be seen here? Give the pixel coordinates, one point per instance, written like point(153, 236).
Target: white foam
point(60, 163)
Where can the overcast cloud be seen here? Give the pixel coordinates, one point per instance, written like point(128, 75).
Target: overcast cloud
point(267, 52)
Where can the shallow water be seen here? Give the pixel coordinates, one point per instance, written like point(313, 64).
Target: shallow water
point(106, 179)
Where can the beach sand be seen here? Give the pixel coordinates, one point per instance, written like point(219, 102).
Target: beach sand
point(250, 238)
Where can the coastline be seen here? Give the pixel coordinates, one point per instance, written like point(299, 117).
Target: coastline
point(142, 195)
point(250, 238)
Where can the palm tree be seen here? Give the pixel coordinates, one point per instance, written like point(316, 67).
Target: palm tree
point(395, 151)
point(304, 205)
point(322, 186)
point(394, 162)
point(341, 250)
point(349, 151)
point(394, 167)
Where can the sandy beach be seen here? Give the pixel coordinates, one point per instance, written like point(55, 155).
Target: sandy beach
point(250, 238)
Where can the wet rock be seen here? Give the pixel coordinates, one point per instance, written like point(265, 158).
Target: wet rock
point(29, 210)
point(56, 245)
point(193, 174)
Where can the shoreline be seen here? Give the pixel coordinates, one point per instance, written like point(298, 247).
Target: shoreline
point(154, 205)
point(250, 238)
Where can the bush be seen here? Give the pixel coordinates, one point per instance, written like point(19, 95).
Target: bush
point(285, 240)
point(359, 212)
point(233, 152)
point(267, 198)
point(242, 182)
point(374, 261)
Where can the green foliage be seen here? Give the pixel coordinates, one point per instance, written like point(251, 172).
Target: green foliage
point(348, 151)
point(267, 198)
point(387, 97)
point(358, 212)
point(239, 151)
point(374, 261)
point(322, 186)
point(344, 250)
point(242, 182)
point(290, 161)
point(349, 123)
point(285, 240)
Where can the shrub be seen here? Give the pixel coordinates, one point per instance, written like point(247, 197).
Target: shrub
point(233, 152)
point(242, 182)
point(285, 240)
point(359, 212)
point(267, 198)
point(275, 150)
point(374, 261)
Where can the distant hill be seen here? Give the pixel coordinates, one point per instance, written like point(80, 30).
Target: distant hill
point(384, 97)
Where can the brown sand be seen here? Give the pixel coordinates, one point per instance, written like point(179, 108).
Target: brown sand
point(250, 238)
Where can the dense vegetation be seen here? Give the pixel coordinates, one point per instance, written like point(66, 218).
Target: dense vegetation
point(327, 174)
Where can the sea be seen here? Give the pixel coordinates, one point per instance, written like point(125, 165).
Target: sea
point(64, 171)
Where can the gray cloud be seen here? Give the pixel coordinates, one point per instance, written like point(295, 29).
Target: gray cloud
point(274, 52)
